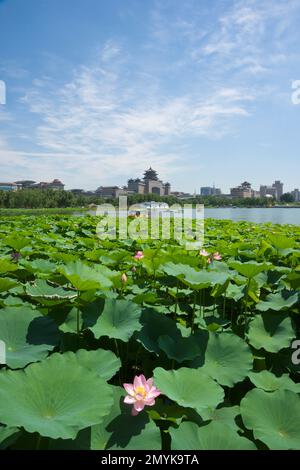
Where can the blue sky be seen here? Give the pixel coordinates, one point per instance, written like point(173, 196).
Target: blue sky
point(97, 91)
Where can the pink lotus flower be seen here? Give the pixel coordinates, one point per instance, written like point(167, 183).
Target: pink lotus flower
point(140, 394)
point(204, 253)
point(139, 255)
point(211, 257)
point(123, 278)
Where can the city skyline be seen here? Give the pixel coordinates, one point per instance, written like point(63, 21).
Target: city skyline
point(201, 91)
point(151, 183)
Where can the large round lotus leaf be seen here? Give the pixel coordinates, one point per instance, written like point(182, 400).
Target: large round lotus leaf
point(6, 435)
point(180, 348)
point(119, 319)
point(16, 242)
point(273, 417)
point(56, 397)
point(269, 382)
point(228, 359)
point(83, 278)
point(249, 269)
point(7, 284)
point(214, 436)
point(39, 266)
point(104, 363)
point(281, 242)
point(271, 332)
point(7, 266)
point(154, 325)
point(235, 292)
point(121, 430)
point(20, 329)
point(189, 388)
point(282, 300)
point(292, 280)
point(225, 415)
point(195, 279)
point(47, 294)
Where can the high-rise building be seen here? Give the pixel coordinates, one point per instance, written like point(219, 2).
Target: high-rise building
point(276, 190)
point(210, 191)
point(296, 195)
point(267, 191)
point(279, 188)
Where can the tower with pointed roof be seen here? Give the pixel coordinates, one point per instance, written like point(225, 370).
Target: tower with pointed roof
point(150, 175)
point(150, 184)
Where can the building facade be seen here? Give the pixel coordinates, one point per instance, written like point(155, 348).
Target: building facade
point(210, 191)
point(8, 187)
point(242, 191)
point(55, 185)
point(276, 190)
point(296, 195)
point(25, 184)
point(110, 191)
point(150, 184)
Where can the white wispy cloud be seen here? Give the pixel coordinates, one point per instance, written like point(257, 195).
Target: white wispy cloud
point(102, 124)
point(244, 34)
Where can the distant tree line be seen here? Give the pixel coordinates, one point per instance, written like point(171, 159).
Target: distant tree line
point(34, 198)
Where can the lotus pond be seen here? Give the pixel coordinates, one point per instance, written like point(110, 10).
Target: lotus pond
point(205, 343)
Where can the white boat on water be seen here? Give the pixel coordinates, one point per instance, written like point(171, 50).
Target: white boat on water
point(149, 208)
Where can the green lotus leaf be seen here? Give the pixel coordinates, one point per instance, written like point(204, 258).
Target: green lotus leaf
point(120, 430)
point(7, 266)
point(56, 397)
point(195, 279)
point(154, 325)
point(273, 417)
point(71, 322)
point(292, 280)
point(189, 388)
point(43, 292)
point(7, 284)
point(6, 435)
point(270, 382)
point(279, 301)
point(83, 278)
point(39, 266)
point(271, 332)
point(20, 329)
point(13, 301)
point(16, 242)
point(225, 415)
point(179, 348)
point(104, 363)
point(228, 359)
point(249, 269)
point(119, 320)
point(281, 242)
point(235, 292)
point(214, 436)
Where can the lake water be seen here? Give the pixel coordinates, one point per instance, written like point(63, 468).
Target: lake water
point(257, 215)
point(273, 215)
